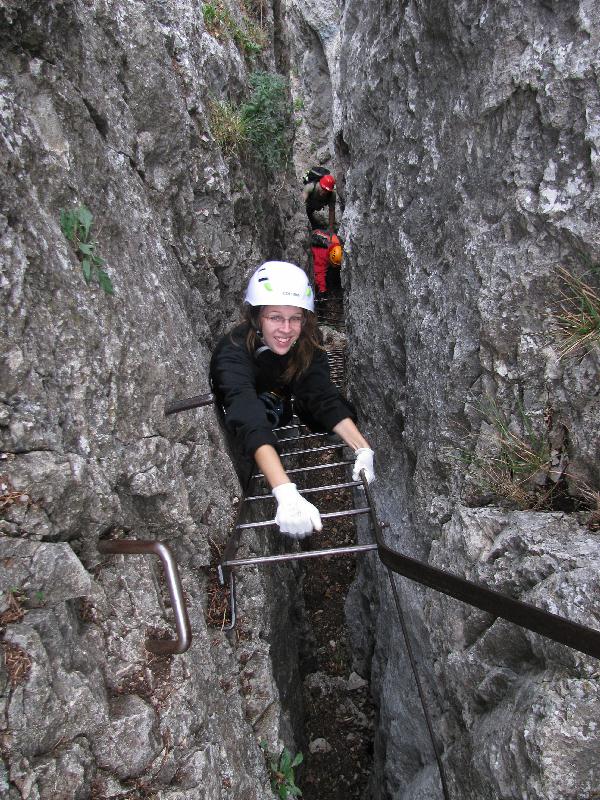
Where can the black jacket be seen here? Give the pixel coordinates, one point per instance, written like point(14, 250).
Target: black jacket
point(237, 378)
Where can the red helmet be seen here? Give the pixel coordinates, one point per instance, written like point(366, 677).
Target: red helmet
point(327, 182)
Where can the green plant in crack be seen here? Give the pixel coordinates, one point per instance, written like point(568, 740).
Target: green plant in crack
point(210, 14)
point(76, 225)
point(218, 20)
point(249, 37)
point(578, 320)
point(281, 768)
point(261, 127)
point(267, 118)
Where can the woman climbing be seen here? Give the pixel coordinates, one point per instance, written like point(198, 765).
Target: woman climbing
point(256, 369)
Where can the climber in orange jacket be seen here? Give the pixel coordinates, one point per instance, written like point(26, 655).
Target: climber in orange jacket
point(326, 250)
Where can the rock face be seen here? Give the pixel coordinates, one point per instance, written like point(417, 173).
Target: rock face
point(106, 104)
point(465, 139)
point(471, 135)
point(312, 32)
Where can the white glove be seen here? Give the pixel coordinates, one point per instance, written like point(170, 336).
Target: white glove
point(295, 516)
point(364, 460)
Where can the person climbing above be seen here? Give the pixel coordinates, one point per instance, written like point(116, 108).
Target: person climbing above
point(273, 356)
point(326, 249)
point(318, 193)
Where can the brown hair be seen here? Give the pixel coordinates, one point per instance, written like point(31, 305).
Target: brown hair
point(303, 350)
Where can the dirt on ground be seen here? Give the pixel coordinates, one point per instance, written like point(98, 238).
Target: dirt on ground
point(338, 707)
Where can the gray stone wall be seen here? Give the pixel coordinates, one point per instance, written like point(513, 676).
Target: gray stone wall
point(466, 145)
point(471, 131)
point(312, 33)
point(107, 104)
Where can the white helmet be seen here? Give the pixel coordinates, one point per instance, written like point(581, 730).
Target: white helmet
point(278, 283)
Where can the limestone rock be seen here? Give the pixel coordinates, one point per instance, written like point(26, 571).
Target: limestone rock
point(469, 135)
point(129, 743)
point(319, 745)
point(47, 573)
point(107, 105)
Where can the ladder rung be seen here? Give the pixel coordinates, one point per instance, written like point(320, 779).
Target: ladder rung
point(295, 425)
point(308, 491)
point(352, 512)
point(334, 551)
point(304, 436)
point(314, 450)
point(308, 469)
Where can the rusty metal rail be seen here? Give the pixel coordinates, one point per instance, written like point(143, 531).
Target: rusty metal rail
point(199, 400)
point(552, 626)
point(182, 622)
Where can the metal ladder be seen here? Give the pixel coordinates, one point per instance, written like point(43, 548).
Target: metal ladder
point(343, 489)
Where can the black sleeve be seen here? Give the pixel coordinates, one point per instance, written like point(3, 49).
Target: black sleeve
point(234, 381)
point(315, 391)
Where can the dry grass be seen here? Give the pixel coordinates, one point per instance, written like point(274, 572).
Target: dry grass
point(227, 127)
point(217, 607)
point(514, 462)
point(18, 663)
point(9, 495)
point(578, 320)
point(510, 460)
point(255, 8)
point(15, 611)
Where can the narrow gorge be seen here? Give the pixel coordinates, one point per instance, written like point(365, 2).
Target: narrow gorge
point(465, 140)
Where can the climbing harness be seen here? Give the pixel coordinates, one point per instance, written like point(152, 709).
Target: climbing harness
point(276, 408)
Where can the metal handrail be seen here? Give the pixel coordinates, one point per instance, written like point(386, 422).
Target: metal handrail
point(552, 626)
point(182, 622)
point(189, 402)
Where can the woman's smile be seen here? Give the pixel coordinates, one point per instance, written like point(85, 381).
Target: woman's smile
point(279, 344)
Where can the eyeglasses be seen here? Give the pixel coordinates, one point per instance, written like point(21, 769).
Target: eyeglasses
point(276, 319)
